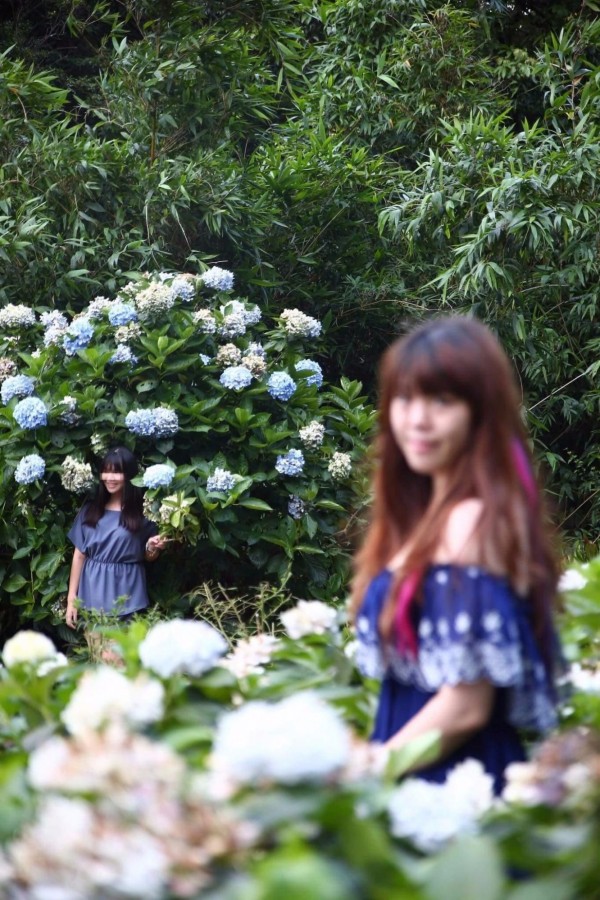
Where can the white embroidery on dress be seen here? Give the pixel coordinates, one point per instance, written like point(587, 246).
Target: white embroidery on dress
point(441, 577)
point(462, 623)
point(491, 620)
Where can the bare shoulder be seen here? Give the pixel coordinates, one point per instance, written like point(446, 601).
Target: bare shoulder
point(460, 542)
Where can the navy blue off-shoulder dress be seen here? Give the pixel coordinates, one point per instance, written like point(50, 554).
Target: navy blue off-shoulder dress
point(470, 625)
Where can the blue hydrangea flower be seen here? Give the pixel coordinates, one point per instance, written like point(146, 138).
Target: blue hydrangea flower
point(219, 279)
point(53, 319)
point(30, 413)
point(30, 468)
point(159, 475)
point(281, 386)
point(204, 359)
point(123, 354)
point(309, 365)
point(256, 349)
point(291, 463)
point(122, 314)
point(141, 422)
point(183, 288)
point(78, 336)
point(16, 386)
point(221, 481)
point(236, 378)
point(166, 422)
point(296, 507)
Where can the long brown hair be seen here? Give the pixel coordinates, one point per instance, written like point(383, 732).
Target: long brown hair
point(119, 459)
point(458, 356)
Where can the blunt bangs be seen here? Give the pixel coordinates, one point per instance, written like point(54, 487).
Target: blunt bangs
point(433, 364)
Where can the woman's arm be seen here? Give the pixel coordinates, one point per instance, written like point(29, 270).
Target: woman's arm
point(456, 712)
point(74, 578)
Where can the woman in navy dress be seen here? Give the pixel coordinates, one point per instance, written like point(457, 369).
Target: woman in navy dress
point(112, 540)
point(455, 580)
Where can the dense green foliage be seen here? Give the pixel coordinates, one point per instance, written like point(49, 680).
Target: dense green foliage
point(379, 162)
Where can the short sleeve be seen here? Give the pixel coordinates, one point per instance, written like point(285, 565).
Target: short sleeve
point(77, 534)
point(474, 626)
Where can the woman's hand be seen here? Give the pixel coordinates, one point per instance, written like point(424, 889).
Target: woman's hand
point(71, 614)
point(154, 545)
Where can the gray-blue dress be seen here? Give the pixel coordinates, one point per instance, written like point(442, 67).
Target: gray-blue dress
point(114, 564)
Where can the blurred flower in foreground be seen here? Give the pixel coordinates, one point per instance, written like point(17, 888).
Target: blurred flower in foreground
point(298, 739)
point(182, 646)
point(104, 695)
point(571, 580)
point(250, 655)
point(27, 647)
point(308, 617)
point(430, 815)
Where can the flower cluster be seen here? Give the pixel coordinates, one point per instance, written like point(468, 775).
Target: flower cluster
point(16, 386)
point(122, 314)
point(76, 476)
point(181, 646)
point(56, 325)
point(296, 507)
point(154, 300)
point(228, 355)
point(255, 364)
point(292, 463)
point(16, 316)
point(308, 617)
point(29, 469)
point(299, 739)
point(564, 771)
point(340, 466)
point(221, 481)
point(571, 580)
point(30, 413)
point(77, 336)
point(183, 286)
point(312, 435)
point(158, 476)
point(250, 655)
point(159, 422)
point(309, 365)
point(68, 414)
point(27, 648)
point(218, 279)
point(204, 359)
point(123, 354)
point(97, 307)
point(430, 814)
point(206, 321)
point(129, 824)
point(298, 324)
point(233, 325)
point(104, 695)
point(236, 378)
point(8, 367)
point(124, 334)
point(585, 679)
point(250, 316)
point(281, 386)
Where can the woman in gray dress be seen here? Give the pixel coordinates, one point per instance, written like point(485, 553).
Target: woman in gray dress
point(112, 541)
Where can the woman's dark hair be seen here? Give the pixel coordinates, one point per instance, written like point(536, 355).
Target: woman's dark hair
point(119, 459)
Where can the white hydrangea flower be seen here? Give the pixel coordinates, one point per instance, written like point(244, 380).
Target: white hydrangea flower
point(53, 662)
point(308, 617)
point(521, 785)
point(586, 680)
point(27, 647)
point(228, 355)
point(430, 814)
point(571, 580)
point(76, 476)
point(340, 466)
point(298, 739)
point(250, 655)
point(312, 434)
point(105, 695)
point(255, 364)
point(297, 323)
point(155, 300)
point(182, 646)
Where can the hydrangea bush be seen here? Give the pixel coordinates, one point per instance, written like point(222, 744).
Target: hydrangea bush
point(249, 457)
